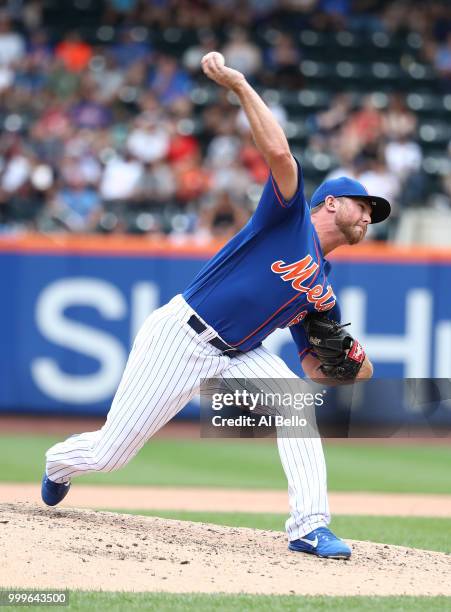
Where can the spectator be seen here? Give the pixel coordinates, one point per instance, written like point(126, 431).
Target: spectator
point(130, 49)
point(389, 185)
point(79, 161)
point(12, 44)
point(365, 16)
point(223, 148)
point(398, 120)
point(121, 178)
point(31, 12)
point(330, 120)
point(446, 189)
point(241, 54)
point(193, 55)
point(149, 139)
point(16, 170)
point(403, 157)
point(108, 77)
point(182, 146)
point(62, 83)
point(74, 52)
point(364, 127)
point(253, 161)
point(21, 208)
point(261, 10)
point(332, 14)
point(90, 112)
point(40, 50)
point(223, 218)
point(29, 75)
point(232, 178)
point(377, 173)
point(242, 124)
point(169, 82)
point(6, 78)
point(350, 166)
point(135, 86)
point(442, 61)
point(117, 11)
point(77, 205)
point(157, 183)
point(192, 179)
point(282, 61)
point(219, 118)
point(395, 16)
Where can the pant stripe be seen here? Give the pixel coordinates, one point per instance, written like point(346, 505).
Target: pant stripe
point(302, 458)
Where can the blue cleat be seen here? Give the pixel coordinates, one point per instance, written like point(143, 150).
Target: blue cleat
point(322, 543)
point(52, 492)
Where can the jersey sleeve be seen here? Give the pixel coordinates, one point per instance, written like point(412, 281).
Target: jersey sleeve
point(335, 313)
point(300, 337)
point(273, 208)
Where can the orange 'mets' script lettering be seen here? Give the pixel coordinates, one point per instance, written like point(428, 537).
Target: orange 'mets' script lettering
point(298, 273)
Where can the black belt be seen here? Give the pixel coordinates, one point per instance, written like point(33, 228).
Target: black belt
point(196, 324)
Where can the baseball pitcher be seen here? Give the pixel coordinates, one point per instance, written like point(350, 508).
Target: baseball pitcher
point(272, 274)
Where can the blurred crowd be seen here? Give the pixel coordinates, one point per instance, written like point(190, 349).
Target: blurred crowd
point(108, 135)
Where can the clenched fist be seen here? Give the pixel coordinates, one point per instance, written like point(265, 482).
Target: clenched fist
point(214, 67)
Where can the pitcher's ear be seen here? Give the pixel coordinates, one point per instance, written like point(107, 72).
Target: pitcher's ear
point(331, 203)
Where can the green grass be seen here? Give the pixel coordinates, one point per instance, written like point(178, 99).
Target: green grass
point(248, 465)
point(397, 469)
point(244, 603)
point(162, 602)
point(160, 462)
point(415, 532)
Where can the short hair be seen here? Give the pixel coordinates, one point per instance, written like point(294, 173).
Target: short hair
point(317, 208)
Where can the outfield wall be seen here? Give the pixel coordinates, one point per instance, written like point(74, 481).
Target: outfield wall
point(71, 307)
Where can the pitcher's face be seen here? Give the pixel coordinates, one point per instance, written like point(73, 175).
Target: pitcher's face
point(352, 218)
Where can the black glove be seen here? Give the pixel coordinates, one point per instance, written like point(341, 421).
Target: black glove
point(340, 355)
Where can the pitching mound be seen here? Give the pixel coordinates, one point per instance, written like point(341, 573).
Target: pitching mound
point(52, 548)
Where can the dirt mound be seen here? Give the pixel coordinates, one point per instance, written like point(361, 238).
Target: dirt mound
point(68, 548)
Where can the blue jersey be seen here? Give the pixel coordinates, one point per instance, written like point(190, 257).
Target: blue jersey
point(270, 275)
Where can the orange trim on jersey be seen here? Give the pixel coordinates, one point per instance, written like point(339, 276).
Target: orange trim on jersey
point(295, 297)
point(304, 352)
point(296, 313)
point(283, 306)
point(274, 186)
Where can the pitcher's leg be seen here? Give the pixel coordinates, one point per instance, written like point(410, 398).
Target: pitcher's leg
point(305, 468)
point(302, 458)
point(161, 376)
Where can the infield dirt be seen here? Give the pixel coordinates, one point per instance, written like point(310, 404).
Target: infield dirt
point(83, 549)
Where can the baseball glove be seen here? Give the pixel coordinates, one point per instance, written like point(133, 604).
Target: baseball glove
point(340, 355)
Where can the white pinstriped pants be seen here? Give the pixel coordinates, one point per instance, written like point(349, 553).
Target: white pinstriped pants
point(163, 373)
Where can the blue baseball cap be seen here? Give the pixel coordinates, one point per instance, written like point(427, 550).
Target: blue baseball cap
point(350, 188)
